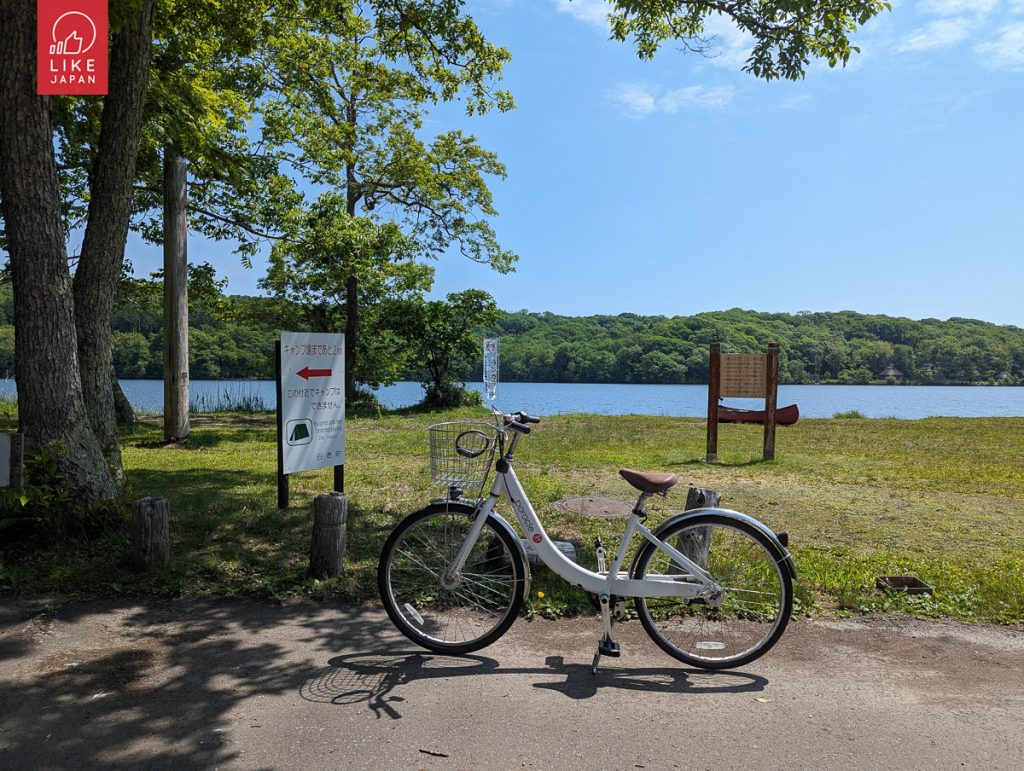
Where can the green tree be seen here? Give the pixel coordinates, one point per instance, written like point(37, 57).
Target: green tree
point(130, 352)
point(441, 335)
point(786, 34)
point(313, 273)
point(352, 88)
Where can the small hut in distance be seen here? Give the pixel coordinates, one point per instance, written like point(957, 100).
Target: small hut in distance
point(891, 373)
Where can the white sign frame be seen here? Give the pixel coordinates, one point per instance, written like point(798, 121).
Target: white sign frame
point(311, 401)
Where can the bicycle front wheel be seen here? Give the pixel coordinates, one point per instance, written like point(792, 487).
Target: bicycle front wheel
point(751, 615)
point(448, 613)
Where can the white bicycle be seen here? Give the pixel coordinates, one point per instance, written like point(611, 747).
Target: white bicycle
point(712, 587)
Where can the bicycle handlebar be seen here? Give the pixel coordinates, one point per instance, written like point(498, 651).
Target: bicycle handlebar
point(519, 418)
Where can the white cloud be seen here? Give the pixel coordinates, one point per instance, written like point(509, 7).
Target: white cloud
point(641, 101)
point(699, 97)
point(636, 99)
point(937, 34)
point(731, 46)
point(1006, 52)
point(593, 12)
point(796, 102)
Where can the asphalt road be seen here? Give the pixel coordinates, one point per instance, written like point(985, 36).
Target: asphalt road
point(246, 685)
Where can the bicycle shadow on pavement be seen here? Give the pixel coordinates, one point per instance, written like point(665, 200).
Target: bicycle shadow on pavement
point(377, 678)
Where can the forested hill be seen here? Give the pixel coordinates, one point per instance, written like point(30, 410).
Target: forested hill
point(233, 337)
point(843, 347)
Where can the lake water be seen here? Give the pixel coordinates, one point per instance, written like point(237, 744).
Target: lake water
point(683, 400)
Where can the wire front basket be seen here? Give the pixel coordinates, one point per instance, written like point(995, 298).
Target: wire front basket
point(466, 470)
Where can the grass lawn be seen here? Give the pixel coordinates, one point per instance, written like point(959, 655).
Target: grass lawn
point(942, 499)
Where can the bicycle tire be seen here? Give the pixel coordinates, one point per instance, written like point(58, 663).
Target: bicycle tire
point(475, 611)
point(757, 605)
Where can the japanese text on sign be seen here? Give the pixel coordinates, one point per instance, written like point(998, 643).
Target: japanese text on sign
point(491, 368)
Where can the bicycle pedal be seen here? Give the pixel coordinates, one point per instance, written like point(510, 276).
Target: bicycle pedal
point(609, 648)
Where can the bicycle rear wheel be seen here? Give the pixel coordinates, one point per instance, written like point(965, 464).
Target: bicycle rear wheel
point(444, 613)
point(758, 597)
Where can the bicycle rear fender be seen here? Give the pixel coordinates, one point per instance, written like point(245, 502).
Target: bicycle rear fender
point(782, 553)
point(469, 509)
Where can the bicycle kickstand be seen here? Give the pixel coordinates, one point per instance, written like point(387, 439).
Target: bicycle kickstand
point(606, 646)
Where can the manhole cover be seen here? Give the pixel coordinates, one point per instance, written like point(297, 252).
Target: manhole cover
point(595, 507)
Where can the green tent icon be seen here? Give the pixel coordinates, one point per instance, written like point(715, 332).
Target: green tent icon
point(299, 433)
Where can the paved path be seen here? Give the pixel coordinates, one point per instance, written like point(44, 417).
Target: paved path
point(246, 685)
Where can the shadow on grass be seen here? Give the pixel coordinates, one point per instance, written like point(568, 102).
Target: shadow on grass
point(723, 464)
point(208, 437)
point(200, 489)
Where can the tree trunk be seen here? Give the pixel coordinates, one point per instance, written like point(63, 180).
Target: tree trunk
point(351, 335)
point(175, 298)
point(99, 268)
point(50, 402)
point(352, 195)
point(122, 407)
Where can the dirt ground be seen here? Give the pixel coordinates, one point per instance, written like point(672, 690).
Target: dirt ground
point(248, 685)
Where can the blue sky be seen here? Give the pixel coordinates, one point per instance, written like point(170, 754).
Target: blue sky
point(682, 184)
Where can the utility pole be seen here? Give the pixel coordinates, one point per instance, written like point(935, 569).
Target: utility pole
point(175, 297)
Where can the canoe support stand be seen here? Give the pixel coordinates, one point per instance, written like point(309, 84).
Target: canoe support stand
point(743, 375)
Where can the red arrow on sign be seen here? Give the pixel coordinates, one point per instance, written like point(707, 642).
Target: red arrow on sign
point(307, 373)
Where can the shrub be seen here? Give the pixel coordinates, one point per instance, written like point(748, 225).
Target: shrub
point(45, 512)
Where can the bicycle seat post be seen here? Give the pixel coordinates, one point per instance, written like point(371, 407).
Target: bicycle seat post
point(639, 508)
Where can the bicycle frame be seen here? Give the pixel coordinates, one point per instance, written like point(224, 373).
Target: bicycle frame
point(685, 585)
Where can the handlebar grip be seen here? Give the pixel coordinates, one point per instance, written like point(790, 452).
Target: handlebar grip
point(524, 418)
point(519, 427)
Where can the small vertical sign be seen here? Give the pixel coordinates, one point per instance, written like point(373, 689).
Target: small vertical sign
point(491, 368)
point(71, 47)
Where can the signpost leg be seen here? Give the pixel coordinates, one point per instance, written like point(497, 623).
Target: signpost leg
point(339, 478)
point(282, 478)
point(770, 400)
point(714, 388)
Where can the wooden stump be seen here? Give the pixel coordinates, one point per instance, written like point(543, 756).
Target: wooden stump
point(151, 533)
point(328, 544)
point(696, 543)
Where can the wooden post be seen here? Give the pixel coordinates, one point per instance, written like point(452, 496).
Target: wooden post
point(151, 533)
point(696, 543)
point(770, 400)
point(714, 391)
point(328, 544)
point(12, 464)
point(175, 298)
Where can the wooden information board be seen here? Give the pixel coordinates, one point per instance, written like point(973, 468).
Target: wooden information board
point(743, 376)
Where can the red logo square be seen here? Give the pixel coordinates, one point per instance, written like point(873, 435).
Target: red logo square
point(71, 48)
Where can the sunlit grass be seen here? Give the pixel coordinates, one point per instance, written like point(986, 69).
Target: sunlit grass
point(941, 498)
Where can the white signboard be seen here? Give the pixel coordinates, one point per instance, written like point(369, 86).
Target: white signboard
point(312, 402)
point(491, 368)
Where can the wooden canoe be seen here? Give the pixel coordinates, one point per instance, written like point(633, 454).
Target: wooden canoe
point(784, 416)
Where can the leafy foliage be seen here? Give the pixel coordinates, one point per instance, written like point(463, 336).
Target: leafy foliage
point(785, 34)
point(45, 512)
point(843, 347)
point(444, 335)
